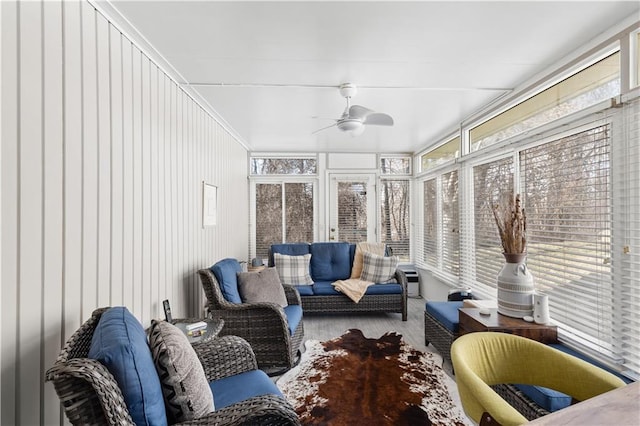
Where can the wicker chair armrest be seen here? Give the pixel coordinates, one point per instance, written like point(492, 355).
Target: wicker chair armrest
point(250, 314)
point(225, 356)
point(79, 382)
point(257, 411)
point(401, 277)
point(293, 297)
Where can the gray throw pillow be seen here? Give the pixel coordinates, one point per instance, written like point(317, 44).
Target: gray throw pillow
point(378, 269)
point(187, 394)
point(293, 270)
point(262, 286)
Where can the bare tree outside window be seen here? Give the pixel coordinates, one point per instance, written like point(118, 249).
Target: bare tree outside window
point(268, 217)
point(283, 166)
point(430, 209)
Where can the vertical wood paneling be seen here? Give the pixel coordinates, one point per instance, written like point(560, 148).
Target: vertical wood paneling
point(116, 195)
point(72, 249)
point(10, 146)
point(53, 197)
point(89, 165)
point(30, 210)
point(103, 253)
point(101, 191)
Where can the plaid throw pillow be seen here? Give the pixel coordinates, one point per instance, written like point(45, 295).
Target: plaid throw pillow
point(293, 270)
point(378, 269)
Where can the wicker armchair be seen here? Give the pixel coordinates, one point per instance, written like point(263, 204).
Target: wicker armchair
point(90, 394)
point(263, 325)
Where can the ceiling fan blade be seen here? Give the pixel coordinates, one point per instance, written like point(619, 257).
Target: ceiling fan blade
point(379, 119)
point(323, 128)
point(359, 112)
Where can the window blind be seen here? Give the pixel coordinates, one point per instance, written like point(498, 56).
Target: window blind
point(491, 182)
point(626, 238)
point(450, 223)
point(394, 216)
point(352, 211)
point(268, 217)
point(430, 223)
point(566, 186)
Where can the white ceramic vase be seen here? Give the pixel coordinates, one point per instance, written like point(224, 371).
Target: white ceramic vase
point(515, 287)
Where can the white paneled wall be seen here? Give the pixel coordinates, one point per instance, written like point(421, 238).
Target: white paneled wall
point(102, 162)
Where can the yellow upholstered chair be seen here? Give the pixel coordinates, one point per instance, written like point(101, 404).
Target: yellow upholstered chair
point(488, 358)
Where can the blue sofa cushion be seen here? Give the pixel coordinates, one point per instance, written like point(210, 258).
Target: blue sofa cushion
point(391, 288)
point(324, 288)
point(290, 249)
point(330, 261)
point(233, 389)
point(120, 343)
point(446, 313)
point(304, 290)
point(552, 400)
point(226, 272)
point(294, 316)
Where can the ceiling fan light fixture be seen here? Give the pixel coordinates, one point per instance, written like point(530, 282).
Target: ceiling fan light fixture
point(349, 124)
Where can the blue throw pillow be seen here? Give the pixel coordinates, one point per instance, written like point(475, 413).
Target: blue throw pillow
point(226, 272)
point(120, 343)
point(330, 261)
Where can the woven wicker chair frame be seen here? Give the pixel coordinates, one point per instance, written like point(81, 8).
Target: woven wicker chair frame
point(441, 339)
point(90, 395)
point(395, 303)
point(263, 325)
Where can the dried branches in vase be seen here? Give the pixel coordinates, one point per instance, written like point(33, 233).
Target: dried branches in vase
point(512, 225)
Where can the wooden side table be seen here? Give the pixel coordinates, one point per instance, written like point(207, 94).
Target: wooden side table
point(255, 268)
point(471, 321)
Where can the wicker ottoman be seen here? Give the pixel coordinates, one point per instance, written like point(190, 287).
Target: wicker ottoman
point(441, 326)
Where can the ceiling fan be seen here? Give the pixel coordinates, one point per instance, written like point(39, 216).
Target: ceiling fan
point(356, 117)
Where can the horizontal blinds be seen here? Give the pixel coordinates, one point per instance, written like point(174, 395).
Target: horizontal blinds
point(352, 211)
point(626, 234)
point(298, 198)
point(450, 223)
point(394, 216)
point(566, 188)
point(268, 217)
point(491, 182)
point(430, 223)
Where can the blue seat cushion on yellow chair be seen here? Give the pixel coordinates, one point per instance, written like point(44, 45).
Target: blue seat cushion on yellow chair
point(552, 400)
point(226, 272)
point(233, 389)
point(294, 316)
point(446, 313)
point(330, 261)
point(120, 343)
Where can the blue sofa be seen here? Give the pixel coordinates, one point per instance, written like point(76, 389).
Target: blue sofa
point(332, 261)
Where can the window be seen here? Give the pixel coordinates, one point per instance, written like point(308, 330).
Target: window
point(635, 65)
point(439, 242)
point(284, 213)
point(491, 181)
point(445, 152)
point(566, 187)
point(394, 216)
point(283, 166)
point(599, 82)
point(395, 165)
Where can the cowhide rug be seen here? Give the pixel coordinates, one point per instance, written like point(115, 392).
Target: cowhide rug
point(354, 380)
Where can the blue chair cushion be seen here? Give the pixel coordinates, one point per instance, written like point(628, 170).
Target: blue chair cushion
point(290, 249)
point(324, 288)
point(294, 316)
point(330, 261)
point(552, 400)
point(446, 313)
point(391, 288)
point(304, 290)
point(233, 389)
point(226, 272)
point(120, 343)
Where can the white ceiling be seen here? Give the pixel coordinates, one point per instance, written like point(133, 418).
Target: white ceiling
point(268, 68)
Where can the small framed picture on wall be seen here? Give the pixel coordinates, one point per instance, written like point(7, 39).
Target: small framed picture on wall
point(209, 204)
